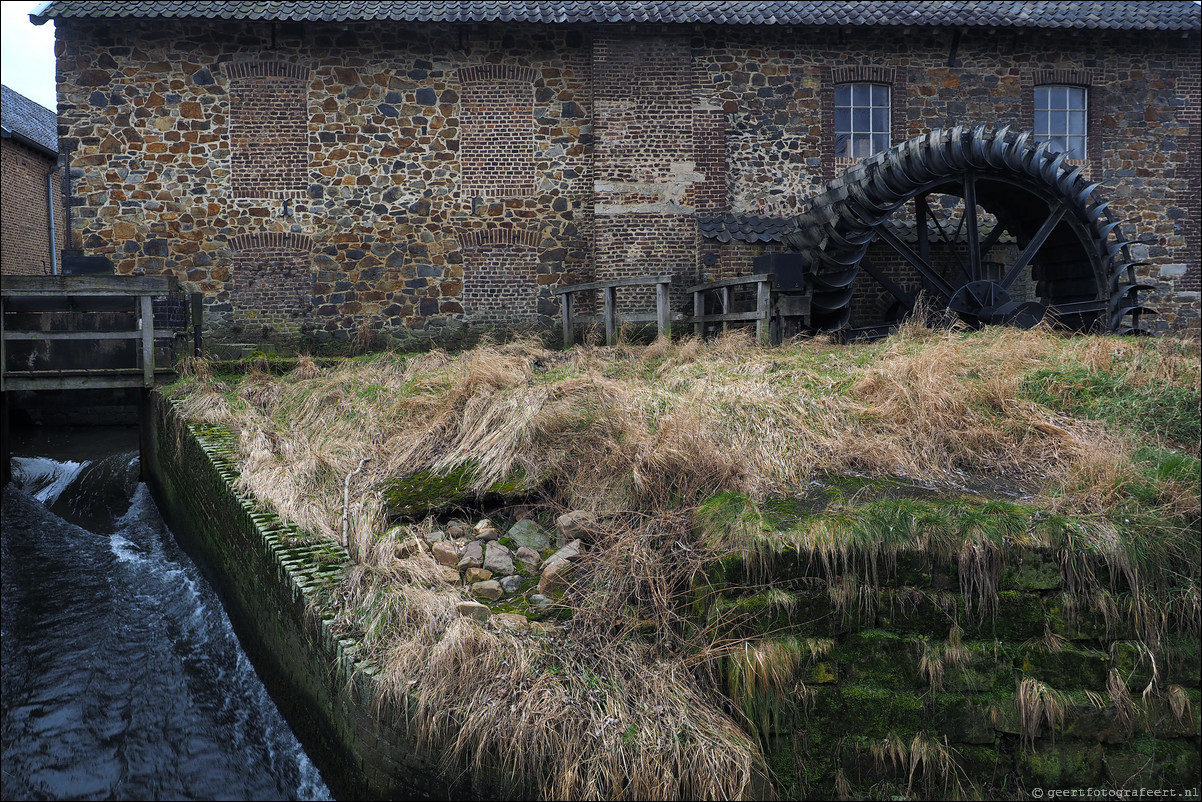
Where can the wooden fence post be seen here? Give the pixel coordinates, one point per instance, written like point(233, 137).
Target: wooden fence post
point(611, 315)
point(565, 311)
point(763, 309)
point(663, 319)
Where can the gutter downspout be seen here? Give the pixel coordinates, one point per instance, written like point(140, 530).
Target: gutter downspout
point(58, 163)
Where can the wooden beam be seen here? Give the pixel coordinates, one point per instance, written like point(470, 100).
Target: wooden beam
point(89, 285)
point(630, 281)
point(565, 313)
point(663, 322)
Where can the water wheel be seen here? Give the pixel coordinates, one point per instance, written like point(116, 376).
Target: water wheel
point(984, 223)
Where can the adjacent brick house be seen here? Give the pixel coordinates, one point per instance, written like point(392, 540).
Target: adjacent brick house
point(420, 169)
point(31, 206)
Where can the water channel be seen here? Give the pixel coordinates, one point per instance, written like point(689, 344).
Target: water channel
point(122, 677)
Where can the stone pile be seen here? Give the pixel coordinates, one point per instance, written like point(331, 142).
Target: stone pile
point(493, 571)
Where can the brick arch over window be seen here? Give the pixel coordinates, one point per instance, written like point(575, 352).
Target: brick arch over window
point(500, 276)
point(496, 112)
point(269, 129)
point(854, 74)
point(1066, 77)
point(272, 280)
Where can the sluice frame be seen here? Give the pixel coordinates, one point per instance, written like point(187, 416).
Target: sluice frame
point(1067, 243)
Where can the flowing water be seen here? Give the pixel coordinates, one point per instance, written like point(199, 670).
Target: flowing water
point(122, 678)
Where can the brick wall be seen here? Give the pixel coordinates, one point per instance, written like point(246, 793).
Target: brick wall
point(373, 142)
point(25, 247)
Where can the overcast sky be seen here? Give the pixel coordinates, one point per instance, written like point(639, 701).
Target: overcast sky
point(27, 53)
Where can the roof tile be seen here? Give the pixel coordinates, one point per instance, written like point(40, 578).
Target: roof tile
point(32, 120)
point(1094, 14)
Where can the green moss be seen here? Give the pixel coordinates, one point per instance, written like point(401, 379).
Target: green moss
point(1156, 409)
point(425, 492)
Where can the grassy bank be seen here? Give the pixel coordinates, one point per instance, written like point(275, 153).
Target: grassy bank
point(701, 467)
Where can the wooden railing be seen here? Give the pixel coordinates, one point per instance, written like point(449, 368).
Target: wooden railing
point(609, 289)
point(59, 304)
point(724, 288)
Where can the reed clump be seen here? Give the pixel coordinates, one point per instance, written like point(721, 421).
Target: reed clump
point(631, 697)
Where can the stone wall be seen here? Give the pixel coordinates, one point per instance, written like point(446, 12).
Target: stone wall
point(576, 152)
point(274, 582)
point(911, 671)
point(914, 680)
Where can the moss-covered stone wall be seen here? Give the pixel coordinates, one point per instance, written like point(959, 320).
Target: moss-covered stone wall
point(867, 672)
point(907, 679)
point(275, 582)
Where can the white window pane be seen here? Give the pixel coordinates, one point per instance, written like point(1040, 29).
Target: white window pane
point(1076, 122)
point(863, 147)
point(880, 120)
point(1076, 145)
point(1041, 123)
point(842, 145)
point(843, 95)
point(1058, 145)
point(1076, 97)
point(861, 95)
point(880, 95)
point(1041, 98)
point(880, 142)
point(861, 119)
point(1059, 122)
point(842, 120)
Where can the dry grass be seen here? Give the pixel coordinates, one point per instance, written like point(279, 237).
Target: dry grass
point(620, 705)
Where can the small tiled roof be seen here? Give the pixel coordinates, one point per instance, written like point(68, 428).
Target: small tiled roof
point(745, 227)
point(1161, 15)
point(28, 120)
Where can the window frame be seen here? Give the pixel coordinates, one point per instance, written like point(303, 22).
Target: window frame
point(1060, 115)
point(878, 134)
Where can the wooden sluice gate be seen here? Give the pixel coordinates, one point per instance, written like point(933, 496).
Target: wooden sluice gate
point(78, 332)
point(91, 332)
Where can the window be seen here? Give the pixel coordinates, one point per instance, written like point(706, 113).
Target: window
point(1060, 117)
point(862, 124)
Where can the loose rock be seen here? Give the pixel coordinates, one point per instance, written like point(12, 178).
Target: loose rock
point(476, 575)
point(488, 589)
point(445, 553)
point(572, 526)
point(555, 576)
point(473, 556)
point(497, 558)
point(569, 553)
point(475, 610)
point(511, 585)
point(528, 556)
point(529, 534)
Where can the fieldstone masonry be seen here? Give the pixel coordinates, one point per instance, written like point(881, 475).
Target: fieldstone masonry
point(445, 179)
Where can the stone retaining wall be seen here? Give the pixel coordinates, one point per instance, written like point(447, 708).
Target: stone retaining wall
point(274, 581)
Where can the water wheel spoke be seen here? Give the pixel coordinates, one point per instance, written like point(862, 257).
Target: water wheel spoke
point(1018, 199)
point(972, 229)
point(947, 241)
point(1037, 241)
point(891, 286)
point(924, 268)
